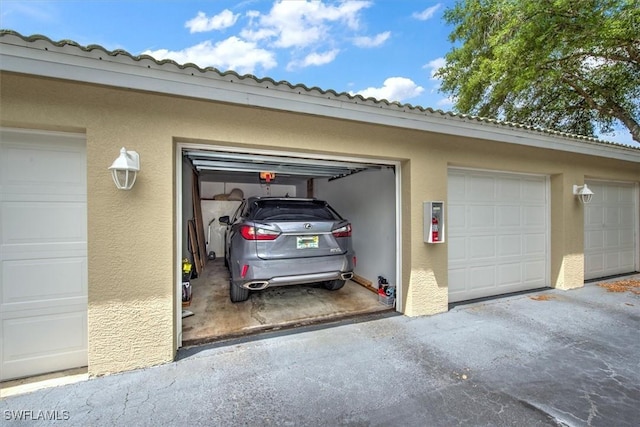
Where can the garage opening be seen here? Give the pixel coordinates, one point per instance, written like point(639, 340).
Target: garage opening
point(218, 182)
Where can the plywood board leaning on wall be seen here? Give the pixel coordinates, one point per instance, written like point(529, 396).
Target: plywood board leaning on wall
point(199, 226)
point(193, 247)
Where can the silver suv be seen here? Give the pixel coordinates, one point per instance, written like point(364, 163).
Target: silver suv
point(273, 241)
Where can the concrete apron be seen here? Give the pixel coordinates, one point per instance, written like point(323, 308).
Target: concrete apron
point(545, 358)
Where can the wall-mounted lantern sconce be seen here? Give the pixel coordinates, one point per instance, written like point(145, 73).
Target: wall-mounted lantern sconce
point(125, 169)
point(583, 193)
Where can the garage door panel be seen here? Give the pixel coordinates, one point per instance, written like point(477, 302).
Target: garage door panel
point(481, 216)
point(626, 195)
point(482, 247)
point(594, 239)
point(535, 273)
point(594, 261)
point(612, 239)
point(459, 252)
point(510, 245)
point(36, 222)
point(612, 261)
point(508, 190)
point(612, 216)
point(626, 240)
point(619, 261)
point(483, 277)
point(457, 280)
point(34, 168)
point(457, 217)
point(626, 216)
point(610, 230)
point(43, 279)
point(535, 244)
point(44, 342)
point(501, 241)
point(480, 189)
point(509, 274)
point(33, 335)
point(594, 217)
point(509, 216)
point(531, 190)
point(457, 186)
point(535, 216)
point(627, 259)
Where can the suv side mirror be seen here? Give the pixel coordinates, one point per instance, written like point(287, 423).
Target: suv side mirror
point(224, 219)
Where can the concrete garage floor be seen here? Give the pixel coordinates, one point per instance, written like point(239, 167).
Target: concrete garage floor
point(549, 358)
point(217, 318)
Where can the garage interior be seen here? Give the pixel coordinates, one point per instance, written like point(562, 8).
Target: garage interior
point(214, 183)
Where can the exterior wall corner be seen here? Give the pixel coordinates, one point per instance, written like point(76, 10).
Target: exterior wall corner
point(425, 296)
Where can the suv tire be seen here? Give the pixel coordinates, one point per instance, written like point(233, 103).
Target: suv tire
point(238, 294)
point(334, 285)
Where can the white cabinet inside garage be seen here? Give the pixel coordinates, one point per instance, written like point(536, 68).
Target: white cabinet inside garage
point(498, 233)
point(43, 252)
point(610, 230)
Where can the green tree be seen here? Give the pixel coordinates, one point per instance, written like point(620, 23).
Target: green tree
point(568, 65)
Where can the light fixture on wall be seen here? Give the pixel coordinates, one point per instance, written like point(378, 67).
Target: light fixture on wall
point(583, 193)
point(125, 168)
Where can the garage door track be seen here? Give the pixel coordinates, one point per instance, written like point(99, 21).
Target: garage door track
point(546, 358)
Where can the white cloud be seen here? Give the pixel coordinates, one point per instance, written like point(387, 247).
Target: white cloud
point(230, 54)
point(427, 13)
point(201, 23)
point(302, 23)
point(446, 102)
point(310, 31)
point(377, 40)
point(393, 89)
point(434, 66)
point(314, 59)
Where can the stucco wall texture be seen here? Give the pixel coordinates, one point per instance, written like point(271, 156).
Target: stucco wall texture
point(131, 235)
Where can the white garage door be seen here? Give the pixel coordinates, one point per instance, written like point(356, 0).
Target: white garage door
point(43, 253)
point(498, 233)
point(610, 233)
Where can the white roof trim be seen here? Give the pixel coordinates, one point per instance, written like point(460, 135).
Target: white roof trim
point(70, 62)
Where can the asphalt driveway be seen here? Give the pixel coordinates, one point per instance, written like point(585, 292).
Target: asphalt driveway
point(544, 358)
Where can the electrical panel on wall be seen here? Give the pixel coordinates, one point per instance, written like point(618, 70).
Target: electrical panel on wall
point(434, 222)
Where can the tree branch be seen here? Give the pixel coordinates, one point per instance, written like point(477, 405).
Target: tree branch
point(610, 108)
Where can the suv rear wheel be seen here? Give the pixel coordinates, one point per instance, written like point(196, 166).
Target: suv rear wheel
point(334, 285)
point(237, 293)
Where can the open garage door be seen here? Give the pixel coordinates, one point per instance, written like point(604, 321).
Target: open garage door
point(43, 253)
point(364, 192)
point(610, 230)
point(498, 233)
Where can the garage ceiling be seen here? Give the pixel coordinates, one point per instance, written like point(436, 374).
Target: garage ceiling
point(211, 163)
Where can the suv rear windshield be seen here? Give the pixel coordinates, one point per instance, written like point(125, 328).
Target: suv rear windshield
point(292, 210)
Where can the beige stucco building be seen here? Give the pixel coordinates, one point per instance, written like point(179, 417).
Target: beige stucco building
point(511, 219)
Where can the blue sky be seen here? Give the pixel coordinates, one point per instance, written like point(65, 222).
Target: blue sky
point(386, 49)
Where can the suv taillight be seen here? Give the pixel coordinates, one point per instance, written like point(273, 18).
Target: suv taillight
point(342, 231)
point(256, 233)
